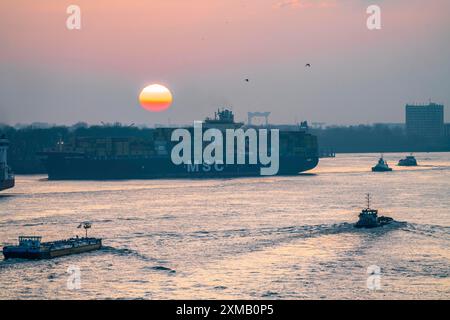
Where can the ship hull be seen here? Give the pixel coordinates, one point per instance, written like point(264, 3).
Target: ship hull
point(67, 168)
point(407, 164)
point(6, 184)
point(19, 253)
point(375, 169)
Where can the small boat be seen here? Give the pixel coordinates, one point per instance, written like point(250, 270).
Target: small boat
point(368, 218)
point(409, 161)
point(381, 166)
point(31, 247)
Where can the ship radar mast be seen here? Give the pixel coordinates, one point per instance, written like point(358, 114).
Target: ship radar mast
point(368, 200)
point(86, 225)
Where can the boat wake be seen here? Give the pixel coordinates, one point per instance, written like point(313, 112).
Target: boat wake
point(296, 231)
point(259, 238)
point(434, 231)
point(126, 252)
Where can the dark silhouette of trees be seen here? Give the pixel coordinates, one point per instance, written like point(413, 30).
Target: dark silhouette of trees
point(376, 138)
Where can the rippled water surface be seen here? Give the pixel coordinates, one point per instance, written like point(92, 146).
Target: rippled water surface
point(256, 238)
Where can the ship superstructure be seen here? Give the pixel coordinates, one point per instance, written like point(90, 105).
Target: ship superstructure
point(381, 166)
point(6, 175)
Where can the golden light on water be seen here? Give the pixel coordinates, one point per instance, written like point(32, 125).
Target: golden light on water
point(155, 97)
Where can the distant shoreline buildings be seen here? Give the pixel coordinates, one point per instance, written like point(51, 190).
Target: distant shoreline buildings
point(425, 121)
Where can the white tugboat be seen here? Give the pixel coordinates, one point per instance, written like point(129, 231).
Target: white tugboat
point(381, 166)
point(368, 218)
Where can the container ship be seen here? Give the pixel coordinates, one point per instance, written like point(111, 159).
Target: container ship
point(6, 175)
point(104, 158)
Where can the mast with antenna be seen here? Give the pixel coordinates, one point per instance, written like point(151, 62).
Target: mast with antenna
point(86, 225)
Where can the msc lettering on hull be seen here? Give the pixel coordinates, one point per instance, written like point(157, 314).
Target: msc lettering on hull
point(236, 150)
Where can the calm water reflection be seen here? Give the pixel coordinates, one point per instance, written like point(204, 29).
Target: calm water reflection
point(270, 237)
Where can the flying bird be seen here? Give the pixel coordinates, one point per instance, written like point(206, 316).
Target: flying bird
point(246, 80)
point(308, 65)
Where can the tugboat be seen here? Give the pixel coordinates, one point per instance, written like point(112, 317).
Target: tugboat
point(381, 166)
point(409, 161)
point(31, 247)
point(368, 218)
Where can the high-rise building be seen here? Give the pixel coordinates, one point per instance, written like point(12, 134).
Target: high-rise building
point(425, 120)
point(447, 130)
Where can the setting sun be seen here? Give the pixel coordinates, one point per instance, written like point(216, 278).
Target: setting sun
point(155, 97)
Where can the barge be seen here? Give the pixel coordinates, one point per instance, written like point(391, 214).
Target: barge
point(31, 247)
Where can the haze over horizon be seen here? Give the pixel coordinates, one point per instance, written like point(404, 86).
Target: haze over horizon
point(203, 50)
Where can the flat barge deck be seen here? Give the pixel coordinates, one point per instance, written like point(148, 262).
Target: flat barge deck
point(31, 247)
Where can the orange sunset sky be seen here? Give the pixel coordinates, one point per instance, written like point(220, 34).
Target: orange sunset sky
point(203, 49)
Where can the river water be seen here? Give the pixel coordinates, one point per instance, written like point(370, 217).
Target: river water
point(244, 238)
